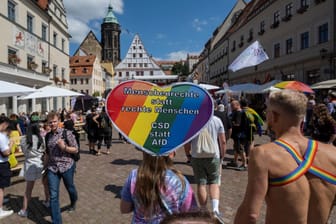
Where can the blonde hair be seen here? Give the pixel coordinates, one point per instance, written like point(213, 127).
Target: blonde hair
point(292, 102)
point(151, 179)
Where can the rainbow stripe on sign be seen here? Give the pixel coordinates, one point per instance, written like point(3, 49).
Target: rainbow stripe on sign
point(303, 167)
point(325, 175)
point(159, 120)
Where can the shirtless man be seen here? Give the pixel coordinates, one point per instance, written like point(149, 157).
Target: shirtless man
point(306, 196)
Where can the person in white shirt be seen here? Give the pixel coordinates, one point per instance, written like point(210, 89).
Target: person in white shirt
point(5, 172)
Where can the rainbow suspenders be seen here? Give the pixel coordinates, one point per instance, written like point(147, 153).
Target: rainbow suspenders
point(305, 164)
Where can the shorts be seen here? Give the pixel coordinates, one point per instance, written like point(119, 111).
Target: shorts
point(5, 175)
point(206, 170)
point(239, 145)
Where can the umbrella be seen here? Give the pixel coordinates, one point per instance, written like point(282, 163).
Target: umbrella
point(50, 91)
point(208, 86)
point(325, 84)
point(294, 85)
point(11, 89)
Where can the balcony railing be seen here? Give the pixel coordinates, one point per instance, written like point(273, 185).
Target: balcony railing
point(275, 25)
point(286, 18)
point(302, 9)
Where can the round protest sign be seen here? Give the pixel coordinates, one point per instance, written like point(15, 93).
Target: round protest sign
point(158, 119)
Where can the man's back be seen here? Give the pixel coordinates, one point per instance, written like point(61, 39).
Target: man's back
point(314, 195)
point(322, 193)
point(286, 198)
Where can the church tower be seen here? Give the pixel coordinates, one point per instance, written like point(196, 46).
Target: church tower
point(110, 38)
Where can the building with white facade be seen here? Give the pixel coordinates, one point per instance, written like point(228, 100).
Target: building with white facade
point(34, 50)
point(86, 75)
point(297, 35)
point(138, 65)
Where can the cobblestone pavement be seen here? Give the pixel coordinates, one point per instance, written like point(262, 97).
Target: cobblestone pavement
point(99, 180)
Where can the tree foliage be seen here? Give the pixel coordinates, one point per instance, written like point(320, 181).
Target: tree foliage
point(180, 69)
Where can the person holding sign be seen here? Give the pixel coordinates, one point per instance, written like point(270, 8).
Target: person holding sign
point(156, 189)
point(294, 174)
point(206, 161)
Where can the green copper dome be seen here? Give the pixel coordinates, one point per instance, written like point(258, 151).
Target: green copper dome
point(110, 17)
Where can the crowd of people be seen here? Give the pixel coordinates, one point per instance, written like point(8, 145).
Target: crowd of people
point(294, 173)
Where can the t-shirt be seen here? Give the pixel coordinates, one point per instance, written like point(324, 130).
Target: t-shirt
point(4, 145)
point(215, 127)
point(176, 198)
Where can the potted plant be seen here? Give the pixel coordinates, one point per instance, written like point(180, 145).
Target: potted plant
point(56, 80)
point(32, 65)
point(46, 70)
point(14, 59)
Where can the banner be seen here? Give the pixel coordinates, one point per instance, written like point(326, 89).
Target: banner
point(251, 56)
point(158, 120)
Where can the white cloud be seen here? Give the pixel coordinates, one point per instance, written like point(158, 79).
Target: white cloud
point(180, 55)
point(79, 17)
point(199, 24)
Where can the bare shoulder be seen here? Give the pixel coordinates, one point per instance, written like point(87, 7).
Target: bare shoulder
point(326, 157)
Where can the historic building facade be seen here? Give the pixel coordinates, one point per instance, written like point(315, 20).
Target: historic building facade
point(297, 35)
point(138, 65)
point(87, 75)
point(35, 50)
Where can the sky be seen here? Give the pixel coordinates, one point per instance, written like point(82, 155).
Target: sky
point(169, 29)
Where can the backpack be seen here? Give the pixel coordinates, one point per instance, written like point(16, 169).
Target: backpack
point(75, 156)
point(103, 123)
point(206, 147)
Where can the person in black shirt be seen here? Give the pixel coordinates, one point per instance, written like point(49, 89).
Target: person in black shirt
point(104, 130)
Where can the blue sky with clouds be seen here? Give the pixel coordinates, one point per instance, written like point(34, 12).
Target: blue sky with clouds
point(169, 29)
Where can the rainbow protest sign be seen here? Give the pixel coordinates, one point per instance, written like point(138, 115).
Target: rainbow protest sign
point(157, 119)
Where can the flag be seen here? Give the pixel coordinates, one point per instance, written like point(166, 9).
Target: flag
point(251, 56)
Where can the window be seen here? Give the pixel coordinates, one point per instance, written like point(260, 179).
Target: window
point(30, 20)
point(276, 17)
point(81, 81)
point(129, 65)
point(30, 60)
point(85, 70)
point(12, 57)
point(289, 46)
point(86, 81)
point(63, 73)
point(303, 3)
point(304, 40)
point(11, 11)
point(127, 74)
point(261, 28)
point(54, 71)
point(277, 50)
point(120, 74)
point(323, 33)
point(63, 44)
point(140, 55)
point(134, 55)
point(289, 9)
point(134, 65)
point(151, 73)
point(44, 32)
point(115, 41)
point(55, 39)
point(233, 46)
point(44, 66)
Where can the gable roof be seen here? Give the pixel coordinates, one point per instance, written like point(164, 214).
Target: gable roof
point(90, 34)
